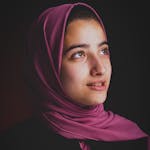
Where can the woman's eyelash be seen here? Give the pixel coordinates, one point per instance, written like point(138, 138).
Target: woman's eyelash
point(78, 54)
point(105, 51)
point(81, 54)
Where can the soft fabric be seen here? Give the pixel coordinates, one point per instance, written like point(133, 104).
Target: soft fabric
point(60, 114)
point(32, 134)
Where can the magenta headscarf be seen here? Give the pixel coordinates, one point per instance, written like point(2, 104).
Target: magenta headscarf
point(60, 114)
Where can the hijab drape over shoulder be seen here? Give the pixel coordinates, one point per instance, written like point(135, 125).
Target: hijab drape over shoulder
point(60, 114)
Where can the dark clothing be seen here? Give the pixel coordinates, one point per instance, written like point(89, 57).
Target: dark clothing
point(33, 135)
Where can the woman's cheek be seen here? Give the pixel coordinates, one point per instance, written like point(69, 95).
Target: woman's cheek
point(76, 72)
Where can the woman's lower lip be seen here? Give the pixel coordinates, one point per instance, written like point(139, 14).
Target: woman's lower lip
point(97, 88)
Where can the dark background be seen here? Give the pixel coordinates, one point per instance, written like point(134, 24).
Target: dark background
point(127, 28)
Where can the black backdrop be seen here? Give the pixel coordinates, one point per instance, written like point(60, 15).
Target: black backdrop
point(127, 28)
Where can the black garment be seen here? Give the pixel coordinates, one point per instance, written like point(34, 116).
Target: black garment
point(33, 135)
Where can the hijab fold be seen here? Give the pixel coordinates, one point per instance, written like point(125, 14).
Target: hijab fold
point(64, 117)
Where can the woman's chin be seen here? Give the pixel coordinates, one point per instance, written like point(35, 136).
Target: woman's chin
point(94, 101)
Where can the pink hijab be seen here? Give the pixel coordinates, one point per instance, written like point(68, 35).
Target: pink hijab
point(60, 114)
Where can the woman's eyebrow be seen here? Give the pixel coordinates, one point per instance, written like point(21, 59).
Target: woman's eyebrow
point(77, 46)
point(84, 45)
point(103, 43)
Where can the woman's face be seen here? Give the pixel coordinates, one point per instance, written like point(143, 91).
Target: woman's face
point(86, 67)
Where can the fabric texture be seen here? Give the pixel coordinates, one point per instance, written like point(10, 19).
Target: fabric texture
point(32, 134)
point(64, 117)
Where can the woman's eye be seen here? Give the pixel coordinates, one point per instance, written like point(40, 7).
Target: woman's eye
point(105, 51)
point(78, 55)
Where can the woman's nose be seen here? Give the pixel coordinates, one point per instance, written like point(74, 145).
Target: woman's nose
point(97, 67)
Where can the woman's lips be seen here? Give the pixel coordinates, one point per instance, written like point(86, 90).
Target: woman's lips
point(97, 86)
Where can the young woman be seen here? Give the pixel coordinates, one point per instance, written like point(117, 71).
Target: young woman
point(69, 71)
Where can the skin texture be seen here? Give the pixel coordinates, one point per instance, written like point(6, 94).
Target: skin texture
point(86, 67)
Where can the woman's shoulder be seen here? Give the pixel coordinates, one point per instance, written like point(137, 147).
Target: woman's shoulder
point(138, 144)
point(33, 135)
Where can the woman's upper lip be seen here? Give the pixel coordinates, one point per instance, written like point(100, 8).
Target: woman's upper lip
point(100, 82)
